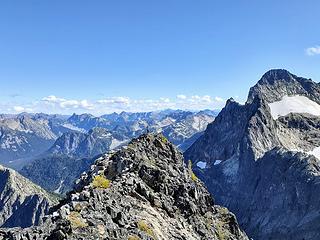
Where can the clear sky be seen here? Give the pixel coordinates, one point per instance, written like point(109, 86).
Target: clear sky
point(111, 55)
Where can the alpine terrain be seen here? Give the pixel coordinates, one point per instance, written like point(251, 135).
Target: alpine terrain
point(71, 154)
point(24, 136)
point(22, 203)
point(75, 150)
point(143, 191)
point(262, 159)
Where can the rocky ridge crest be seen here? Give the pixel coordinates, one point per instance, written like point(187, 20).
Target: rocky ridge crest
point(143, 191)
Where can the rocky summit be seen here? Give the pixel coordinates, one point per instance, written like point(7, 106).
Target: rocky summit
point(262, 160)
point(143, 191)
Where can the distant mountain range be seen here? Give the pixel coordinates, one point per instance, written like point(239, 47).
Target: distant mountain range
point(69, 156)
point(26, 136)
point(32, 142)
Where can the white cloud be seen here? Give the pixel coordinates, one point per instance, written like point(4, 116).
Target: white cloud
point(18, 108)
point(207, 98)
point(85, 104)
point(61, 105)
point(181, 96)
point(313, 51)
point(195, 98)
point(219, 99)
point(166, 100)
point(53, 99)
point(119, 100)
point(67, 103)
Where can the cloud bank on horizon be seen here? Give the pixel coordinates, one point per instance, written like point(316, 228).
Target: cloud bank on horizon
point(58, 105)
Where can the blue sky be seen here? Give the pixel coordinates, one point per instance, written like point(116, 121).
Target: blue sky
point(103, 56)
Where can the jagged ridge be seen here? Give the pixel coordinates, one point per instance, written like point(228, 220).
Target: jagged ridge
point(22, 203)
point(151, 196)
point(261, 167)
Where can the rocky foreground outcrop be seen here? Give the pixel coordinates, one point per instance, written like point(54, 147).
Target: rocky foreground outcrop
point(143, 191)
point(22, 203)
point(263, 166)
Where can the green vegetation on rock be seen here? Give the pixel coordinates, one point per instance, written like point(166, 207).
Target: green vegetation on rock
point(144, 227)
point(101, 181)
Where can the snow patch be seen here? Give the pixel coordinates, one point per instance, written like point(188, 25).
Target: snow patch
point(116, 143)
point(315, 152)
point(74, 128)
point(294, 104)
point(216, 162)
point(103, 136)
point(59, 188)
point(201, 165)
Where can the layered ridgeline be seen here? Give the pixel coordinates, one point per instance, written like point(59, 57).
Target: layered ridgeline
point(25, 136)
point(22, 203)
point(261, 159)
point(143, 191)
point(74, 151)
point(185, 131)
point(71, 154)
point(180, 127)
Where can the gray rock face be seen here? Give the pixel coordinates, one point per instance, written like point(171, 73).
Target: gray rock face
point(22, 203)
point(143, 191)
point(262, 168)
point(25, 136)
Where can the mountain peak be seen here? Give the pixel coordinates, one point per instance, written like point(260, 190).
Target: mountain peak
point(277, 83)
point(262, 149)
point(275, 74)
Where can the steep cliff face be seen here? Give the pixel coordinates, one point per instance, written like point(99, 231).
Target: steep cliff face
point(143, 191)
point(261, 159)
point(22, 203)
